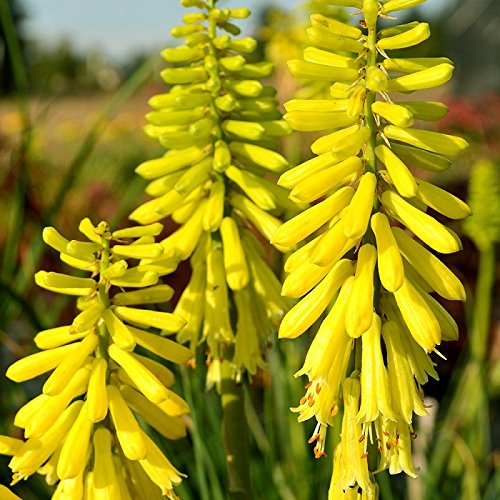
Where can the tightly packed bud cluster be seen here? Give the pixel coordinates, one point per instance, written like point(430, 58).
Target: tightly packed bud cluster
point(82, 431)
point(367, 266)
point(219, 122)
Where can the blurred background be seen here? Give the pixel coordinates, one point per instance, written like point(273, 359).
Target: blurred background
point(74, 83)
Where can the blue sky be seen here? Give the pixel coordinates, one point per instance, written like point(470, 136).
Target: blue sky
point(121, 27)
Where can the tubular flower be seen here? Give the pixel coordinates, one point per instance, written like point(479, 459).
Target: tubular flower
point(218, 123)
point(367, 235)
point(82, 431)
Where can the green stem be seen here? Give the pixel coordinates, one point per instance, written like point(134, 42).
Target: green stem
point(371, 61)
point(101, 351)
point(235, 435)
point(482, 304)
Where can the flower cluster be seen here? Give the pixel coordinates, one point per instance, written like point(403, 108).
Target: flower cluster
point(218, 122)
point(367, 266)
point(82, 431)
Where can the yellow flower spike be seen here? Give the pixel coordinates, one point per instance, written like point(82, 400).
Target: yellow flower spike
point(404, 395)
point(235, 265)
point(57, 337)
point(73, 457)
point(426, 110)
point(10, 446)
point(136, 277)
point(167, 322)
point(429, 267)
point(335, 26)
point(292, 177)
point(353, 451)
point(310, 308)
point(138, 251)
point(158, 208)
point(265, 283)
point(420, 363)
point(217, 322)
point(130, 435)
point(265, 223)
point(6, 494)
point(36, 451)
point(138, 231)
point(270, 160)
point(314, 71)
point(83, 250)
point(194, 176)
point(115, 270)
point(356, 101)
point(142, 484)
point(89, 230)
point(252, 186)
point(389, 261)
point(344, 144)
point(155, 294)
point(447, 325)
point(214, 211)
point(325, 105)
point(328, 180)
point(418, 317)
point(170, 427)
point(414, 36)
point(412, 65)
point(304, 224)
point(97, 399)
point(370, 10)
point(375, 394)
point(359, 315)
point(87, 318)
point(120, 333)
point(161, 372)
point(25, 414)
point(331, 345)
point(160, 470)
point(360, 209)
point(37, 418)
point(314, 55)
point(147, 383)
point(435, 142)
point(395, 5)
point(422, 225)
point(400, 174)
point(39, 363)
point(404, 455)
point(190, 306)
point(442, 201)
point(182, 243)
point(104, 474)
point(376, 79)
point(394, 113)
point(62, 283)
point(323, 38)
point(420, 158)
point(67, 368)
point(54, 239)
point(165, 348)
point(83, 265)
point(247, 351)
point(423, 79)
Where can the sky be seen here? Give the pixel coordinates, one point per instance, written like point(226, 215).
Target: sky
point(122, 27)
